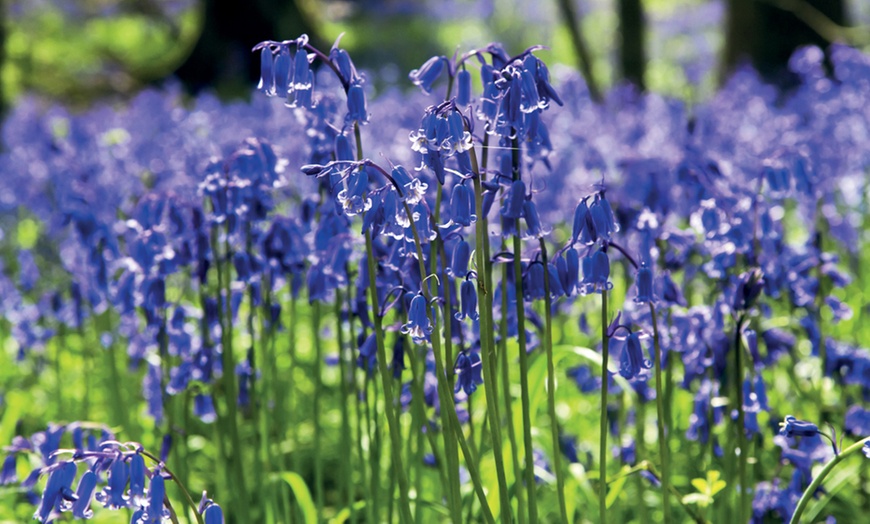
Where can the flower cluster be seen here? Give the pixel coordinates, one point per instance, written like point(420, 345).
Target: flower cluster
point(120, 467)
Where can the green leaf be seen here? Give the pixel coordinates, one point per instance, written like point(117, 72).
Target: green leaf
point(344, 515)
point(302, 494)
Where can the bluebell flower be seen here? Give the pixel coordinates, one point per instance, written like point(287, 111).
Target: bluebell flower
point(568, 447)
point(468, 301)
point(857, 421)
point(368, 349)
point(8, 473)
point(556, 289)
point(777, 342)
point(604, 224)
point(154, 511)
point(355, 200)
point(644, 285)
point(792, 427)
point(542, 80)
point(203, 408)
point(628, 450)
point(760, 392)
point(534, 229)
point(513, 203)
point(533, 282)
point(48, 441)
point(703, 416)
point(468, 372)
point(751, 338)
point(153, 393)
point(587, 381)
point(421, 221)
point(778, 179)
point(356, 105)
point(866, 449)
point(582, 229)
point(413, 189)
point(632, 360)
point(398, 363)
point(301, 97)
point(568, 266)
point(267, 80)
point(81, 507)
point(459, 260)
point(282, 69)
point(345, 66)
point(456, 139)
point(113, 496)
point(165, 447)
point(529, 100)
point(428, 73)
point(57, 488)
point(463, 88)
point(749, 287)
point(301, 70)
point(418, 326)
point(137, 479)
point(599, 276)
point(213, 515)
point(462, 206)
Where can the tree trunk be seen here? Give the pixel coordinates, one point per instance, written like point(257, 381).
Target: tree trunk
point(766, 33)
point(632, 32)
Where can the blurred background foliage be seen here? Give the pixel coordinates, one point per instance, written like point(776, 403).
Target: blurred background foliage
point(80, 51)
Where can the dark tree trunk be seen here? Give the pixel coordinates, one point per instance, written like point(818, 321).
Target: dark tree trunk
point(766, 33)
point(222, 58)
point(584, 57)
point(632, 33)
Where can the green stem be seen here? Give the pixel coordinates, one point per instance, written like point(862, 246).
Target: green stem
point(551, 384)
point(640, 428)
point(743, 498)
point(346, 472)
point(231, 392)
point(814, 485)
point(660, 410)
point(605, 350)
point(487, 352)
point(318, 390)
point(373, 505)
point(395, 437)
point(508, 399)
point(524, 357)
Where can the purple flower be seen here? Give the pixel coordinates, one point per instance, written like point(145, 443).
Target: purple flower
point(428, 73)
point(418, 325)
point(468, 372)
point(632, 360)
point(81, 508)
point(56, 490)
point(468, 301)
point(213, 515)
point(792, 427)
point(644, 283)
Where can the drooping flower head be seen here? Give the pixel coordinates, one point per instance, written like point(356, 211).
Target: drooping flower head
point(418, 325)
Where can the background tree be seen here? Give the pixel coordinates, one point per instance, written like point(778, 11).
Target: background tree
point(632, 35)
point(765, 33)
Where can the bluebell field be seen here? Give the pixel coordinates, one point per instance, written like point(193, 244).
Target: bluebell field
point(486, 299)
